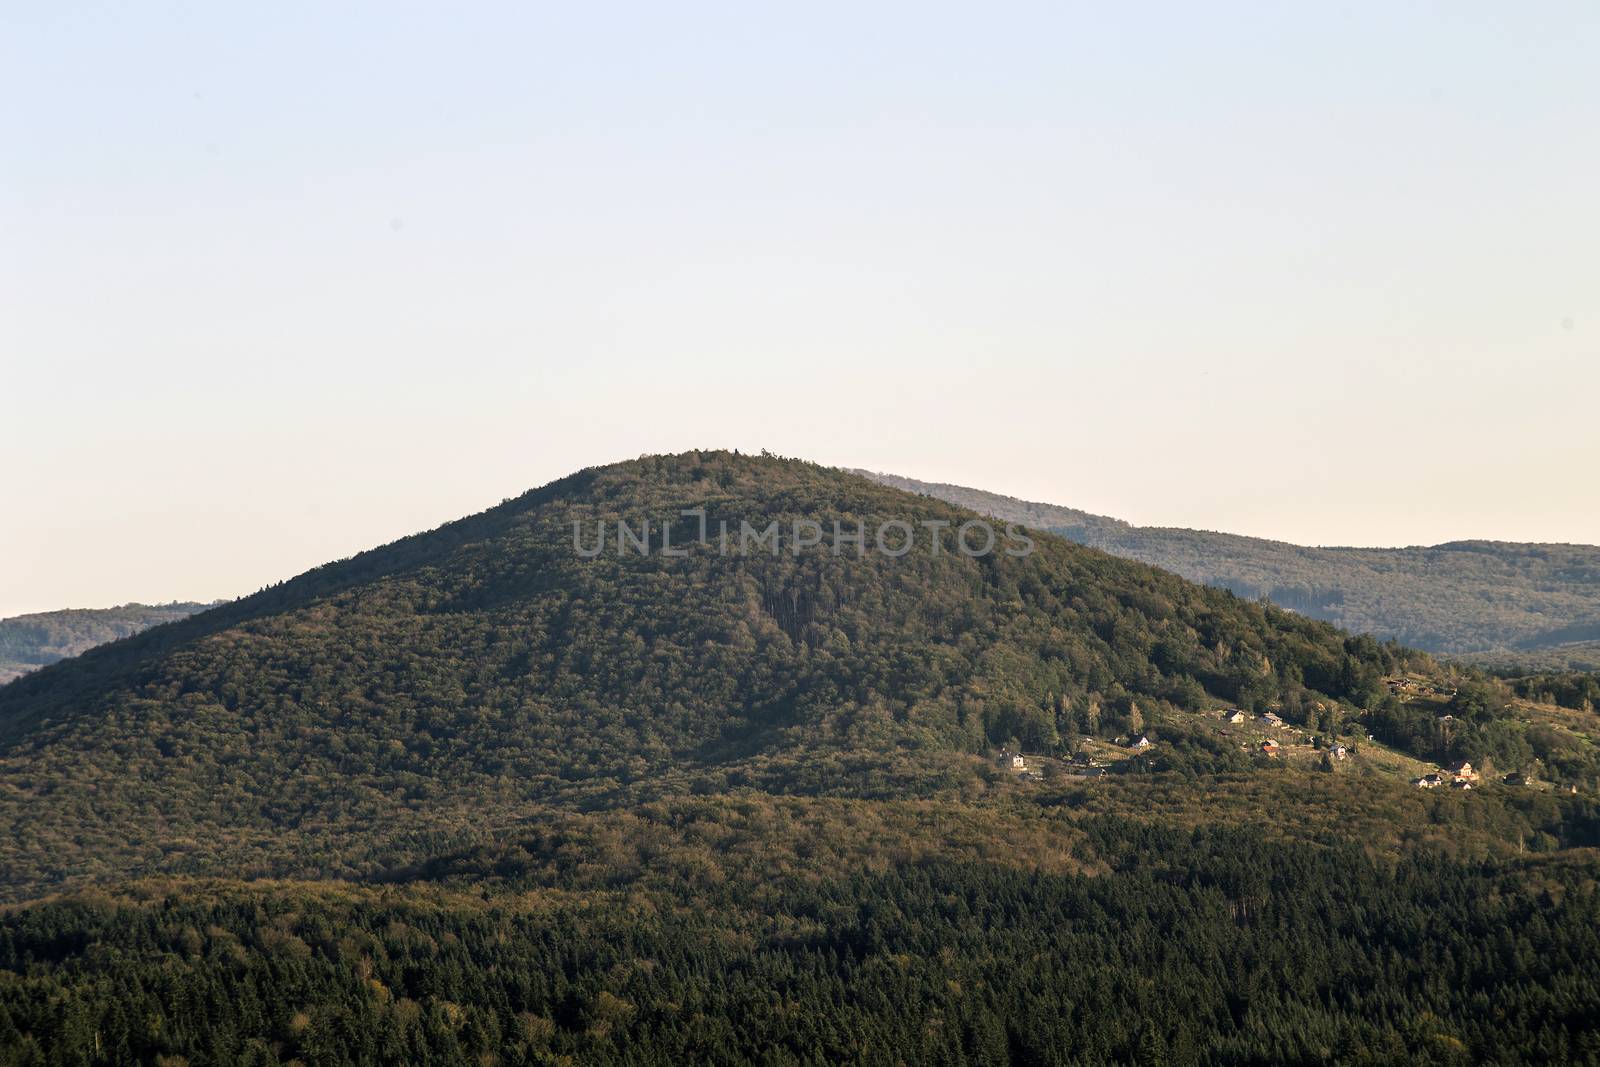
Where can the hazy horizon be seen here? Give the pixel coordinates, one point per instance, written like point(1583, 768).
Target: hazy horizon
point(279, 286)
point(158, 599)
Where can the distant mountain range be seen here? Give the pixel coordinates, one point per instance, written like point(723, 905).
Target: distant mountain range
point(28, 642)
point(1502, 601)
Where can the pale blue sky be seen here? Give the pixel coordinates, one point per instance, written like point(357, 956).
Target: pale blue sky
point(280, 284)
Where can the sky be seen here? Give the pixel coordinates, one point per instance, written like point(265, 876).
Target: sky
point(282, 282)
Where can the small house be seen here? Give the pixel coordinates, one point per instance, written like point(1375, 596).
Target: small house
point(1234, 716)
point(1269, 747)
point(1461, 783)
point(1019, 762)
point(1338, 752)
point(1139, 742)
point(1270, 718)
point(1461, 769)
point(1428, 781)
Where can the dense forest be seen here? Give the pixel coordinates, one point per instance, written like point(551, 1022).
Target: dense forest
point(28, 642)
point(1566, 658)
point(479, 797)
point(1514, 603)
point(1188, 948)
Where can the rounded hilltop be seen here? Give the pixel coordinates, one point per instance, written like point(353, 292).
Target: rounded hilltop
point(461, 675)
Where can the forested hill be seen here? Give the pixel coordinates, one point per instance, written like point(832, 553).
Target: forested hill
point(28, 642)
point(1461, 597)
point(377, 706)
point(476, 797)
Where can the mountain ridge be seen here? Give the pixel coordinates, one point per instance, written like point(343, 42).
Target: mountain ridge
point(1471, 596)
point(37, 639)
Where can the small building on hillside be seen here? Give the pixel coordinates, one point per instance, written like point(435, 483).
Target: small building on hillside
point(1140, 742)
point(1462, 770)
point(1269, 747)
point(1460, 783)
point(1338, 752)
point(1428, 781)
point(1270, 718)
point(1019, 762)
point(1234, 716)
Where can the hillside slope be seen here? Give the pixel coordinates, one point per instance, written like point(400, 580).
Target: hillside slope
point(1461, 597)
